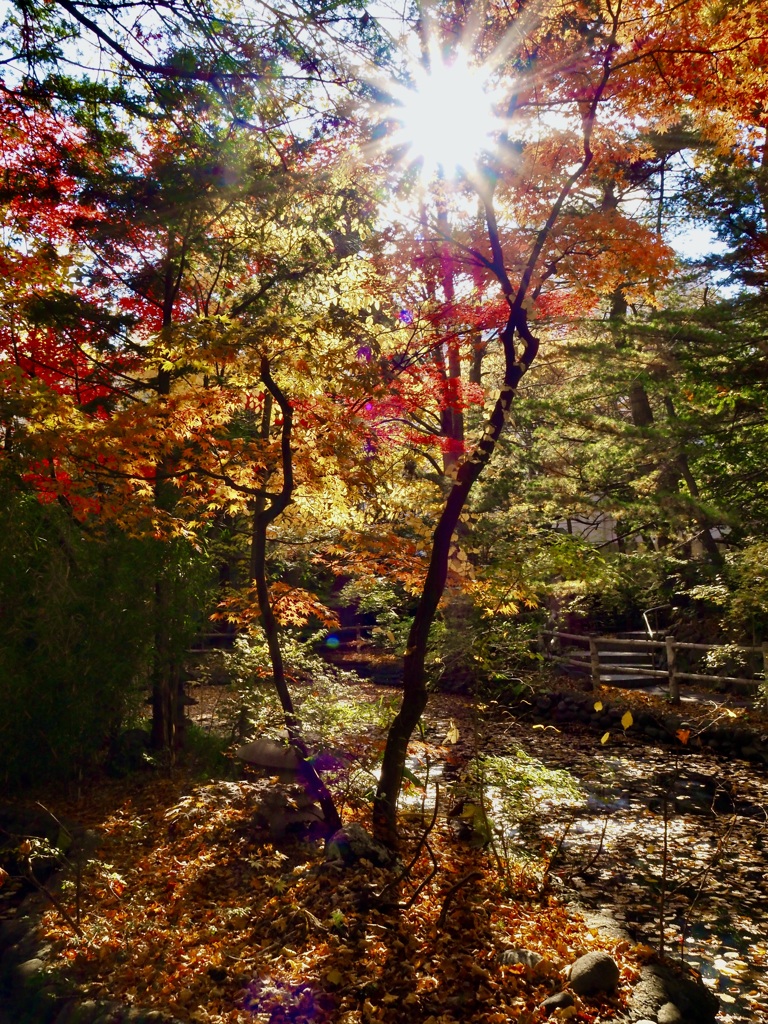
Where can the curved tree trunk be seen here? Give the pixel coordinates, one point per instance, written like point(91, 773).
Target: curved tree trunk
point(264, 514)
point(414, 675)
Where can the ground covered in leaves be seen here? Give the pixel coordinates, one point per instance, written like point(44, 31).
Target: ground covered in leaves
point(188, 908)
point(191, 906)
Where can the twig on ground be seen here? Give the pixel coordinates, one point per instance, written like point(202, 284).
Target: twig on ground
point(406, 872)
point(452, 892)
point(29, 874)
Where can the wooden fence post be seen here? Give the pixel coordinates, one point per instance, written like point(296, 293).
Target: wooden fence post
point(674, 683)
point(594, 661)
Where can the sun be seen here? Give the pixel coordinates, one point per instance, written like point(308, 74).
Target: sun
point(446, 117)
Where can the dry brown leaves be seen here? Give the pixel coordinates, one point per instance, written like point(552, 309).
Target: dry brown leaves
point(190, 909)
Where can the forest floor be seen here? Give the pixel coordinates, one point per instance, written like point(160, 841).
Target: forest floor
point(190, 908)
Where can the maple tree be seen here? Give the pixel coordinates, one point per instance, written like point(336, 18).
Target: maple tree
point(203, 238)
point(551, 238)
point(224, 272)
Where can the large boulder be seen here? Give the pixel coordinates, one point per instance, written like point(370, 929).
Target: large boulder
point(594, 972)
point(672, 996)
point(276, 758)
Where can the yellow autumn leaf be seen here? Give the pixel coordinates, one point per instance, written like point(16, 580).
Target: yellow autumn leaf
point(598, 705)
point(452, 736)
point(627, 719)
point(333, 977)
point(604, 738)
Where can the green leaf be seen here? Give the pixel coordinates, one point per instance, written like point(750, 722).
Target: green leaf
point(408, 774)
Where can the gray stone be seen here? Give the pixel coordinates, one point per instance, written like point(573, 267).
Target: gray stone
point(526, 957)
point(110, 1012)
point(352, 844)
point(45, 1002)
point(283, 760)
point(64, 1012)
point(28, 970)
point(85, 1012)
point(559, 1001)
point(68, 1013)
point(659, 985)
point(594, 972)
point(602, 920)
point(669, 1014)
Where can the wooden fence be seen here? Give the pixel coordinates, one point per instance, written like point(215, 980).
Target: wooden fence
point(670, 647)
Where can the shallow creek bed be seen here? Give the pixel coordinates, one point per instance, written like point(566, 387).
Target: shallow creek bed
point(660, 837)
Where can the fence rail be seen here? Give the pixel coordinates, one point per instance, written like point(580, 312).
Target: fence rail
point(670, 647)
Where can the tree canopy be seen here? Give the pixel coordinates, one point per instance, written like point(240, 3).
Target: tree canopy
point(258, 316)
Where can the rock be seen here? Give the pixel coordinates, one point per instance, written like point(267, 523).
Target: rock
point(669, 1014)
point(594, 972)
point(287, 809)
point(559, 1001)
point(660, 985)
point(274, 757)
point(352, 844)
point(28, 970)
point(510, 957)
point(84, 1012)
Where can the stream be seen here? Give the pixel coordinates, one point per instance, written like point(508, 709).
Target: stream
point(652, 834)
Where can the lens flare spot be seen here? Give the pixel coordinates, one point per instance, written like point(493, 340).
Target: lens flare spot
point(447, 118)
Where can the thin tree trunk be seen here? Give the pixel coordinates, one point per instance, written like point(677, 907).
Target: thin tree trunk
point(263, 517)
point(447, 358)
point(414, 675)
point(708, 541)
point(168, 720)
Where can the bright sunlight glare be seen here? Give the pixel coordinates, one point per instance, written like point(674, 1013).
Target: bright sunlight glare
point(447, 117)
